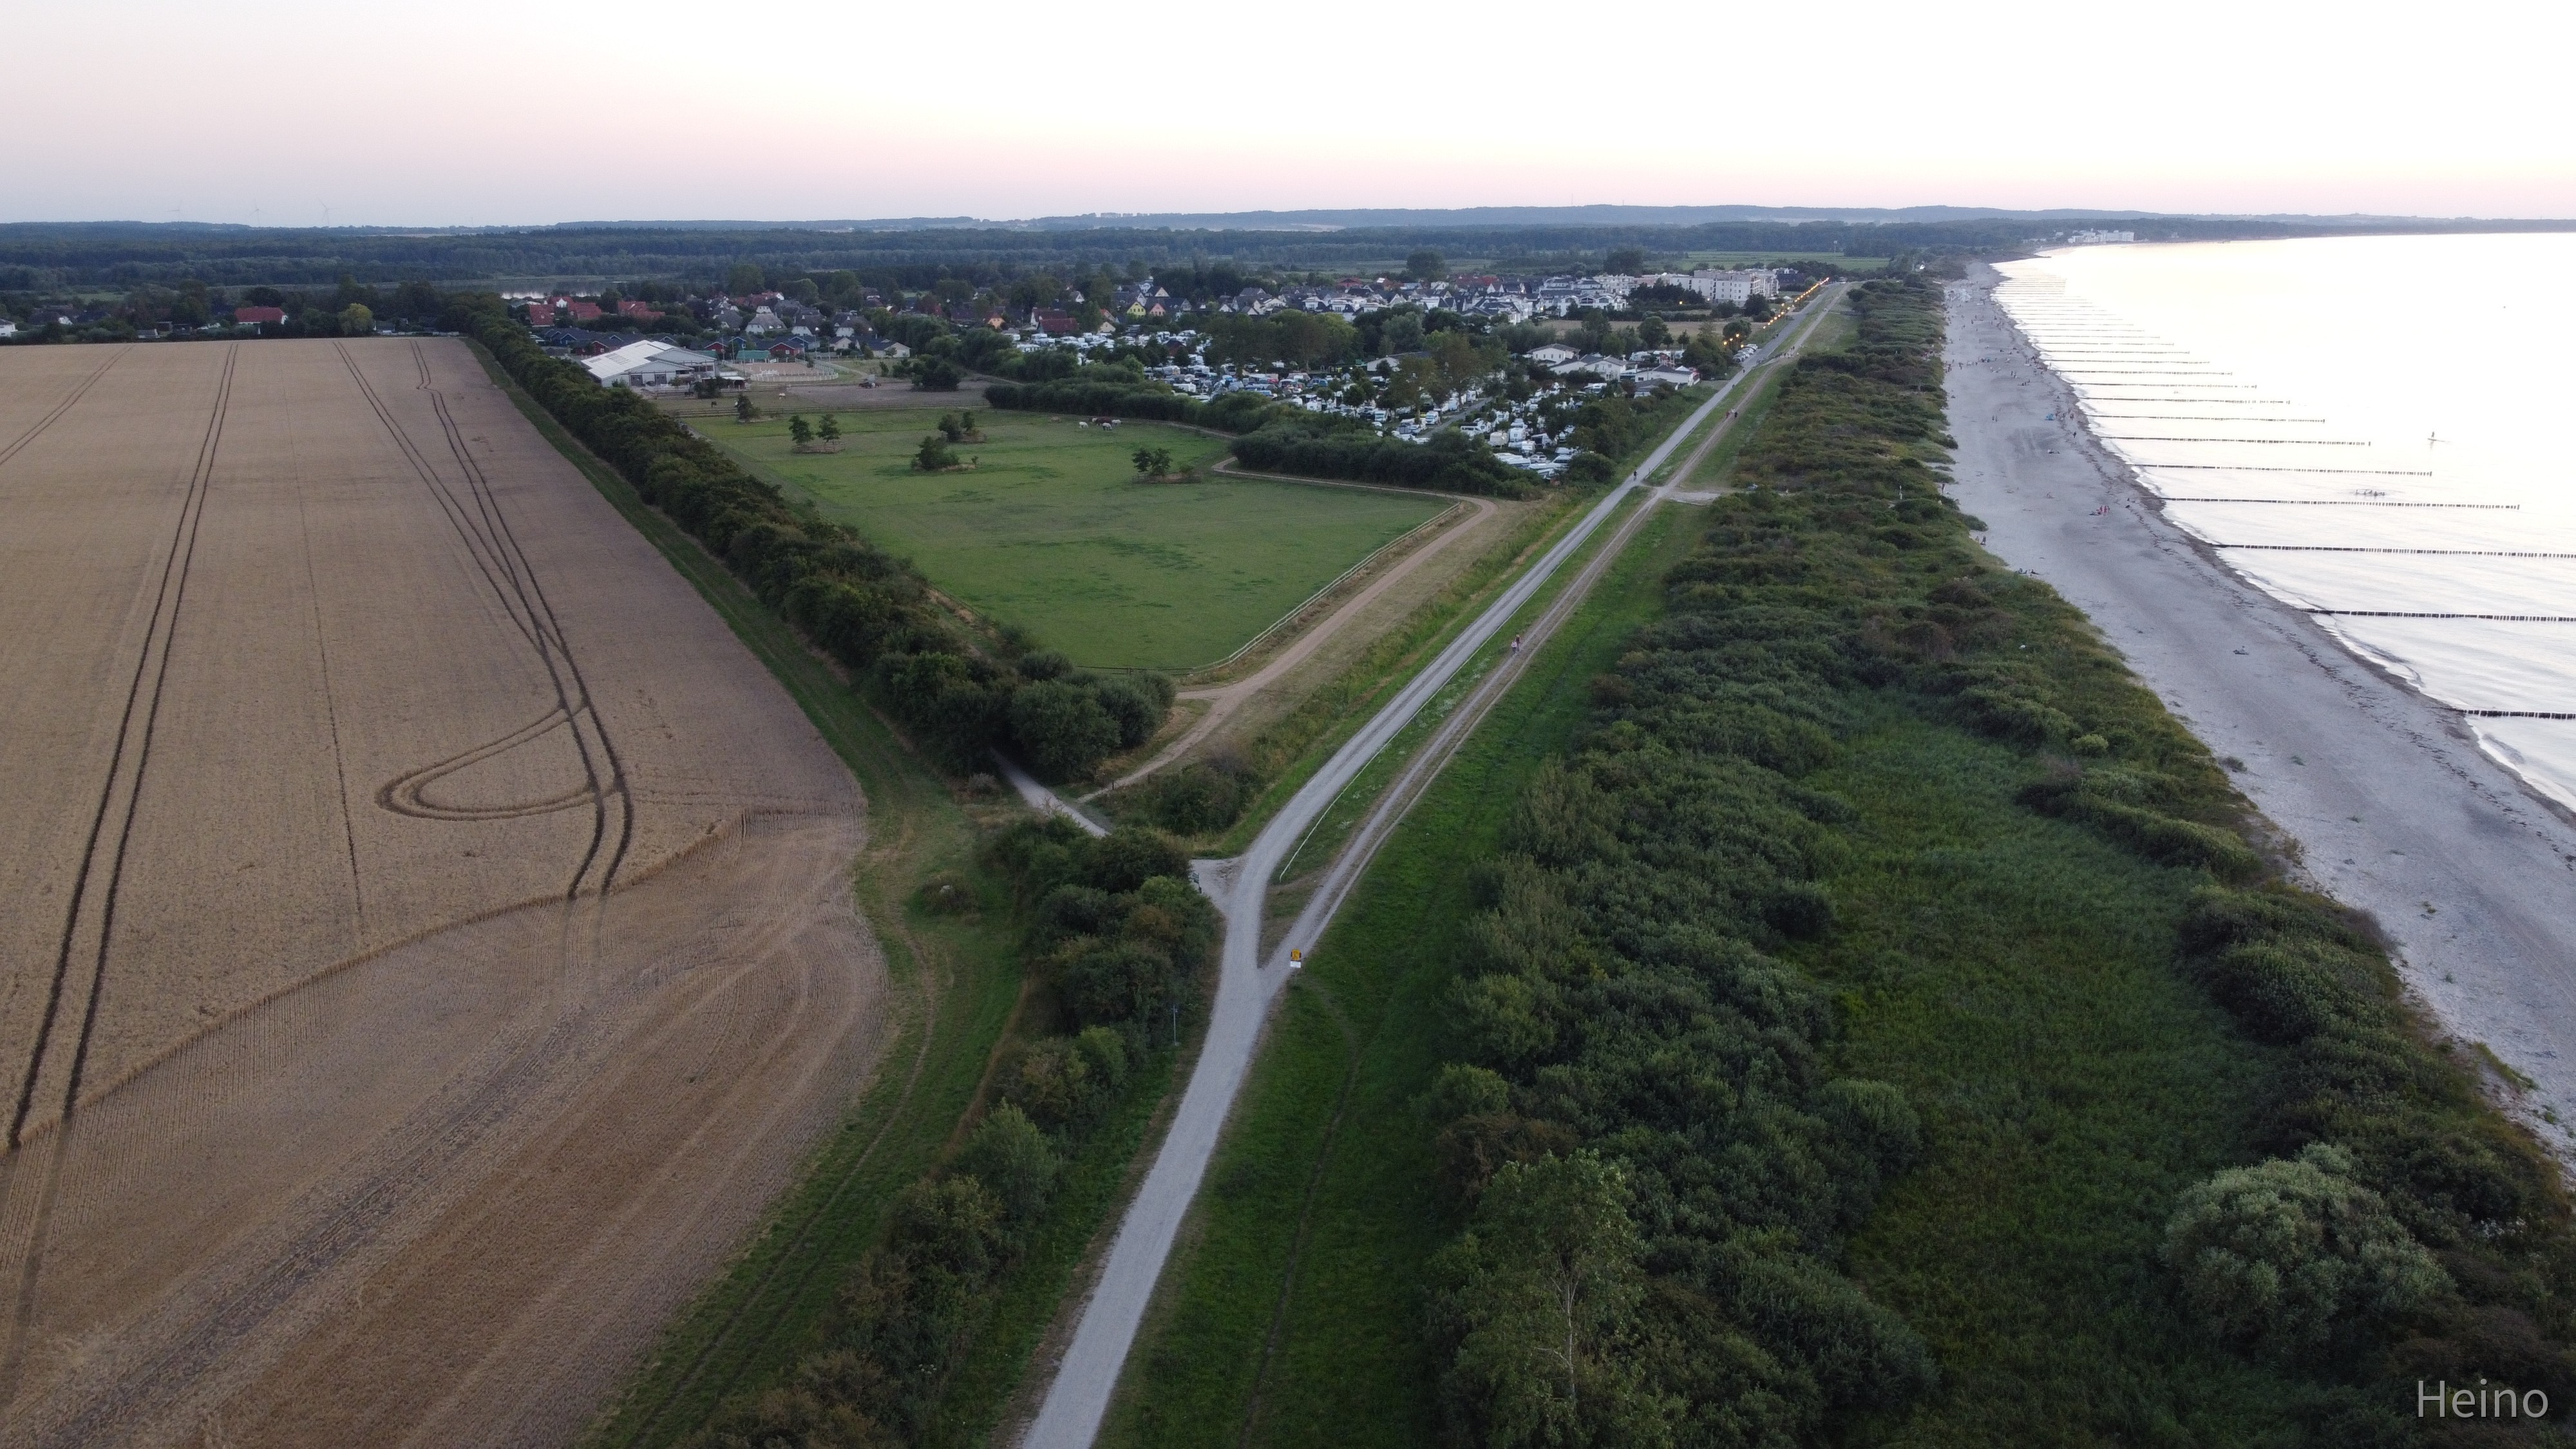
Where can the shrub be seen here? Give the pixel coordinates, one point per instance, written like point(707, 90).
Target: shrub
point(1192, 800)
point(1126, 858)
point(1137, 702)
point(2288, 1256)
point(1061, 728)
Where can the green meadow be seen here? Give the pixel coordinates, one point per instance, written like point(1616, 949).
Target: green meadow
point(1049, 528)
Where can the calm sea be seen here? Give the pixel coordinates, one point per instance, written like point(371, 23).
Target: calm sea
point(2373, 429)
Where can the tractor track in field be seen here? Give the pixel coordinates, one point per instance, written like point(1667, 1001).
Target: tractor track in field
point(55, 413)
point(168, 600)
point(485, 530)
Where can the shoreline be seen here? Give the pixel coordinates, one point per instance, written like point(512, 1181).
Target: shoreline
point(2387, 800)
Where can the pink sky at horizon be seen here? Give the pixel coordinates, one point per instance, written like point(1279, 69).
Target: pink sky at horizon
point(483, 113)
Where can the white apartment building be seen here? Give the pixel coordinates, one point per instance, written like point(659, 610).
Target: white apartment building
point(1739, 286)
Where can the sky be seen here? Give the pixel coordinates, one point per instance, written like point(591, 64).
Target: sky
point(480, 112)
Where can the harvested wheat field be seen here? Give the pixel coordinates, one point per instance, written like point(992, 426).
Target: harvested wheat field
point(429, 938)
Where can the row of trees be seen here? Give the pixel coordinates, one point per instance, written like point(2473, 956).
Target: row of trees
point(957, 694)
point(1116, 934)
point(1334, 448)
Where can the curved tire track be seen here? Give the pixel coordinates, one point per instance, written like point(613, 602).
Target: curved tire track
point(484, 528)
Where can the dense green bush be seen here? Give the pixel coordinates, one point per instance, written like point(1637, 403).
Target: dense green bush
point(2288, 1256)
point(863, 607)
point(1193, 799)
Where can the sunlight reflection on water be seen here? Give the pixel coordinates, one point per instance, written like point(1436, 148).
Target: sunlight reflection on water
point(2371, 428)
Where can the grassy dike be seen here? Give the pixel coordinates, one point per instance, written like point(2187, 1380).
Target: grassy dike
point(2045, 932)
point(1292, 1309)
point(956, 979)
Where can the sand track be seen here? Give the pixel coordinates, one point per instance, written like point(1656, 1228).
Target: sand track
point(438, 944)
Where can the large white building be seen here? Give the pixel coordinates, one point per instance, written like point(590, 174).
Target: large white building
point(1738, 287)
point(649, 364)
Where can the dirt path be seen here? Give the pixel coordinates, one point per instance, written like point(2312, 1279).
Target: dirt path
point(1224, 700)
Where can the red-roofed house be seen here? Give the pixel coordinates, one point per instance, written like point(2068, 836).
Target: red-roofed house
point(540, 314)
point(584, 311)
point(248, 316)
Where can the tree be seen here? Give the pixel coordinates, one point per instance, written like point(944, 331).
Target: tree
point(1061, 727)
point(1426, 265)
point(830, 432)
point(1542, 1291)
point(1153, 462)
point(1011, 1158)
point(2286, 1255)
point(799, 429)
point(935, 455)
point(936, 374)
point(419, 301)
point(1402, 333)
point(1460, 360)
point(744, 410)
point(1654, 331)
point(356, 320)
point(743, 279)
point(1625, 261)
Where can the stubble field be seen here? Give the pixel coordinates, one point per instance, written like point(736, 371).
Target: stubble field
point(431, 939)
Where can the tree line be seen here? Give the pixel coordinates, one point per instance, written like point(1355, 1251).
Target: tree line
point(956, 694)
point(1118, 936)
point(1653, 1161)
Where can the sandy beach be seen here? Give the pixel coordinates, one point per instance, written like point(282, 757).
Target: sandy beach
point(2393, 807)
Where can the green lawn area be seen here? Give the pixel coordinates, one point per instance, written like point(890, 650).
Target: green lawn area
point(1051, 531)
